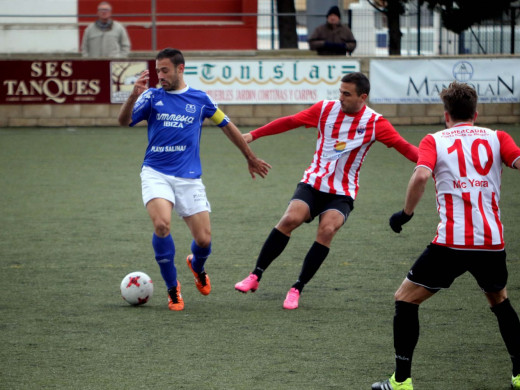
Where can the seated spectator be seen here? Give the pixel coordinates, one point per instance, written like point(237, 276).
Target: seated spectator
point(105, 37)
point(332, 38)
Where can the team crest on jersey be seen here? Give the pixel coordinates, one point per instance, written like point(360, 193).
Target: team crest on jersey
point(191, 108)
point(361, 130)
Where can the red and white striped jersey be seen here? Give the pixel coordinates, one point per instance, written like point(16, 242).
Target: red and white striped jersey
point(342, 144)
point(466, 162)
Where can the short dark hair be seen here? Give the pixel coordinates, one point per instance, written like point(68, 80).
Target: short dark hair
point(361, 81)
point(460, 101)
point(174, 55)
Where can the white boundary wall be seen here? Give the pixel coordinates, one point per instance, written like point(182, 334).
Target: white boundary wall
point(44, 34)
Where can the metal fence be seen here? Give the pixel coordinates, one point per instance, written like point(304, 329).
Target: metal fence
point(421, 28)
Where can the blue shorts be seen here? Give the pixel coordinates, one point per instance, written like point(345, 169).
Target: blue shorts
point(319, 202)
point(438, 266)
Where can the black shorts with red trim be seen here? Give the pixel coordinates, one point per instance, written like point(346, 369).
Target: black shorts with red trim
point(319, 201)
point(438, 266)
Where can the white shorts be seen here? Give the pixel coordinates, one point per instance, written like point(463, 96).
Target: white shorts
point(187, 195)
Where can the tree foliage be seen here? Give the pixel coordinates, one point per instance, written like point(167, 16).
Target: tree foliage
point(456, 15)
point(459, 15)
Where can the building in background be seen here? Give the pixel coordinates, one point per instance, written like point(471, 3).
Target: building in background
point(41, 26)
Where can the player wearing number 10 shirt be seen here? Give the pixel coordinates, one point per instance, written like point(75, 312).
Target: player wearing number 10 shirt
point(466, 163)
point(467, 166)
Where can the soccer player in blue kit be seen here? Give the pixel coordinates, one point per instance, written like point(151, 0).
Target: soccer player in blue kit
point(171, 171)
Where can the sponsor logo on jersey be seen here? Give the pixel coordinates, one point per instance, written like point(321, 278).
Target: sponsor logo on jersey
point(171, 148)
point(339, 146)
point(159, 103)
point(174, 120)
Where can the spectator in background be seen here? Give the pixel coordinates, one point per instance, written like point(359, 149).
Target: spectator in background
point(332, 38)
point(105, 37)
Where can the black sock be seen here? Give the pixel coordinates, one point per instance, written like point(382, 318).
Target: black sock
point(311, 264)
point(509, 326)
point(272, 248)
point(406, 335)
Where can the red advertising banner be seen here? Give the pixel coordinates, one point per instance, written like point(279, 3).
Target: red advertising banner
point(70, 81)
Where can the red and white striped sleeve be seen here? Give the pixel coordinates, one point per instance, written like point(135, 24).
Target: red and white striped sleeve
point(427, 153)
point(307, 118)
point(509, 151)
point(388, 135)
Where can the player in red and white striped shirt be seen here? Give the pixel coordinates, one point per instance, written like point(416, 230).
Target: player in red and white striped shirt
point(347, 128)
point(465, 162)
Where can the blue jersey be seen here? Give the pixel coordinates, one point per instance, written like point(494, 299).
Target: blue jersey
point(174, 128)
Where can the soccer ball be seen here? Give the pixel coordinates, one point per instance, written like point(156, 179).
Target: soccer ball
point(137, 288)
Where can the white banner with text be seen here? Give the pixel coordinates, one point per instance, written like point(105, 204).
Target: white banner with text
point(269, 81)
point(421, 81)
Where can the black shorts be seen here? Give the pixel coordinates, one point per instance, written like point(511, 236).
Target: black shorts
point(319, 202)
point(439, 266)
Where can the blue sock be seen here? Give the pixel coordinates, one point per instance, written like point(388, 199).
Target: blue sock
point(200, 255)
point(164, 253)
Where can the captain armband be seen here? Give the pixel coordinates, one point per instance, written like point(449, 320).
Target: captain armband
point(218, 117)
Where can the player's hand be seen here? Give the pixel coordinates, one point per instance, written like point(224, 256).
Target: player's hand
point(259, 167)
point(141, 84)
point(247, 137)
point(397, 220)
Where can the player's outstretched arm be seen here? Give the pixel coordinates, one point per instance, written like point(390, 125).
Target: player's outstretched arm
point(389, 136)
point(256, 165)
point(141, 85)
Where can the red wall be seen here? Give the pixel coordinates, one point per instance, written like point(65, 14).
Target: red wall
point(189, 32)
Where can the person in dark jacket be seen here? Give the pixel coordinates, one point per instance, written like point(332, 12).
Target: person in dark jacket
point(332, 38)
